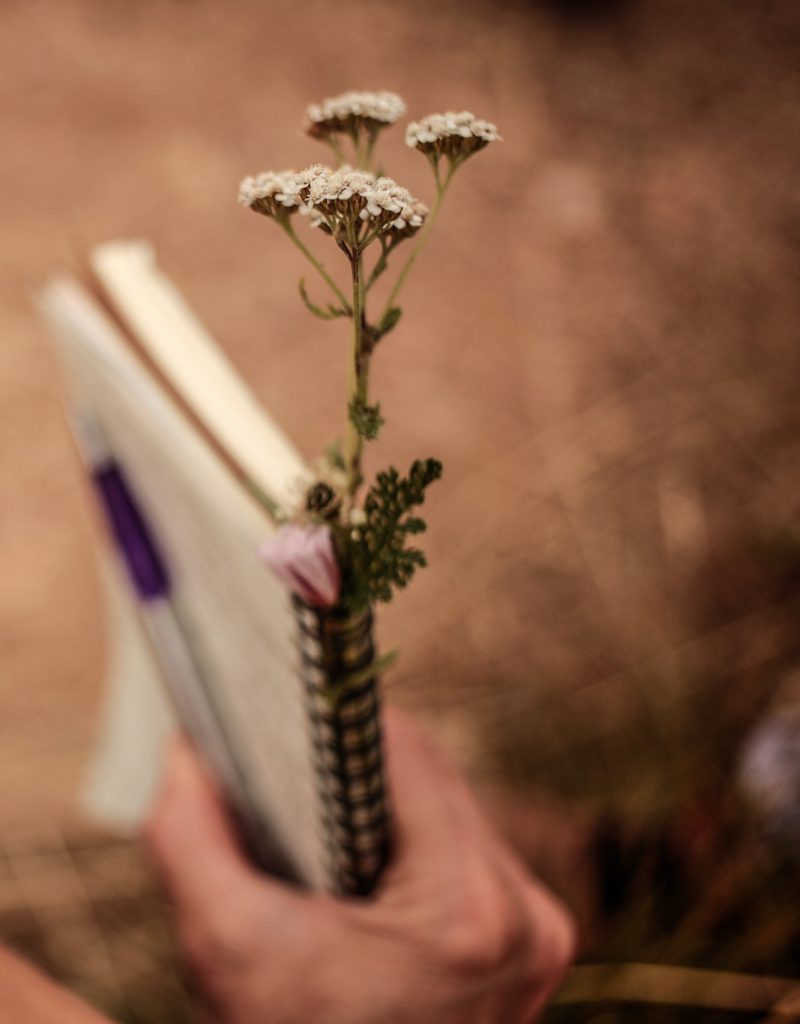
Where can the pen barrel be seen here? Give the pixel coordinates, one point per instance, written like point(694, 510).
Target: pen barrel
point(336, 650)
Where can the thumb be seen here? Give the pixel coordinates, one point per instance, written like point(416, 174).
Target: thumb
point(194, 844)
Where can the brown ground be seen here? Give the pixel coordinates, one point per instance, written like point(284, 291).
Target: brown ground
point(601, 345)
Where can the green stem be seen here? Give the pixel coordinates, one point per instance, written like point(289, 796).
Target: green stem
point(358, 381)
point(287, 227)
point(422, 237)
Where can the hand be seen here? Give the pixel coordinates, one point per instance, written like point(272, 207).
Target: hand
point(28, 997)
point(458, 932)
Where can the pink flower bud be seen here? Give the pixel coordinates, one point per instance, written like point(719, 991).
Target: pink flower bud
point(303, 557)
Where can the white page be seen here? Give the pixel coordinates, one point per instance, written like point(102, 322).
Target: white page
point(193, 364)
point(137, 720)
point(236, 614)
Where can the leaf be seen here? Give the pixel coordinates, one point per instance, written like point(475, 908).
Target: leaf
point(330, 313)
point(389, 322)
point(375, 668)
point(336, 691)
point(383, 558)
point(365, 418)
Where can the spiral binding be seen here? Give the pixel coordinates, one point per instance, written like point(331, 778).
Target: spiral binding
point(334, 644)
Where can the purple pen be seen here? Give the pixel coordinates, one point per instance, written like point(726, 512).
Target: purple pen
point(147, 570)
point(143, 560)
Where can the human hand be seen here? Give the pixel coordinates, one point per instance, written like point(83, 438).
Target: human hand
point(27, 996)
point(457, 933)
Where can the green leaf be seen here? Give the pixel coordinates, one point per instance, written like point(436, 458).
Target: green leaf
point(383, 559)
point(365, 418)
point(330, 313)
point(340, 687)
point(389, 322)
point(375, 668)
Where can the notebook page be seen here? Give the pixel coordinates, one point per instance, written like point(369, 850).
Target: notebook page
point(193, 364)
point(235, 612)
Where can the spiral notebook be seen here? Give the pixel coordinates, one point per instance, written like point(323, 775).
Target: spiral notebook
point(160, 413)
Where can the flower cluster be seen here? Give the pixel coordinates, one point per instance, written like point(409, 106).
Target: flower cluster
point(346, 200)
point(353, 111)
point(454, 136)
point(316, 495)
point(354, 206)
point(271, 193)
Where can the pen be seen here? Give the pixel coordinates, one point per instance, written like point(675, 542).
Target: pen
point(147, 570)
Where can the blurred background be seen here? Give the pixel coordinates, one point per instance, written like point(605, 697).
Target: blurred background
point(601, 346)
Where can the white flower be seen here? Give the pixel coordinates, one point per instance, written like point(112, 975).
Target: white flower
point(271, 193)
point(352, 111)
point(355, 206)
point(455, 136)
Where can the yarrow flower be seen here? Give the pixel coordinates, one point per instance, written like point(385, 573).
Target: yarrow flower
point(455, 136)
point(345, 197)
point(271, 193)
point(316, 494)
point(354, 206)
point(353, 112)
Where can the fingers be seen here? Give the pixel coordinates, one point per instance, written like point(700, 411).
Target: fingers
point(195, 847)
point(437, 820)
point(28, 996)
point(420, 789)
point(554, 942)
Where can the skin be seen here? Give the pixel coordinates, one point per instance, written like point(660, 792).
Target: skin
point(458, 932)
point(28, 997)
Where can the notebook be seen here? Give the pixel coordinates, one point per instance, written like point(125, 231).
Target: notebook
point(151, 395)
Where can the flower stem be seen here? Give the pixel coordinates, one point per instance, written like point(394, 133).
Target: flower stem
point(358, 383)
point(287, 227)
point(441, 189)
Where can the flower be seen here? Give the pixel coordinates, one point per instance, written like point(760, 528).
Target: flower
point(353, 112)
point(322, 500)
point(304, 559)
point(455, 136)
point(316, 490)
point(354, 206)
point(409, 224)
point(271, 193)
